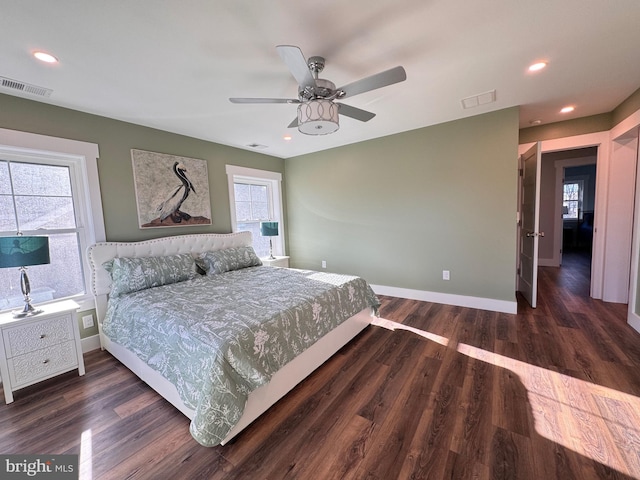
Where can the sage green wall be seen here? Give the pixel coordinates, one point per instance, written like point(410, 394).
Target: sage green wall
point(568, 128)
point(626, 108)
point(400, 209)
point(115, 140)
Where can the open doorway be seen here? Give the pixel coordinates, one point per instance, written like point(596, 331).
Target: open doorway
point(578, 205)
point(613, 224)
point(567, 209)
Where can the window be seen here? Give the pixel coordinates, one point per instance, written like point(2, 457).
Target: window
point(255, 196)
point(53, 194)
point(572, 199)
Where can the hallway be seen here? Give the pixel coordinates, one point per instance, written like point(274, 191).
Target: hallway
point(574, 276)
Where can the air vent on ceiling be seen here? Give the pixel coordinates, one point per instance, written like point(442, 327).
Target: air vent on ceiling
point(17, 86)
point(256, 146)
point(480, 99)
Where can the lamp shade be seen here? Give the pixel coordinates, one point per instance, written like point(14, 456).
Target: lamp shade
point(269, 229)
point(318, 117)
point(23, 251)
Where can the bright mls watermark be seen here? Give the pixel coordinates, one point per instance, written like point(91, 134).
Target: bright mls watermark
point(50, 467)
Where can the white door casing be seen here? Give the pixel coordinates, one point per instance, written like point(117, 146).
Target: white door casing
point(633, 313)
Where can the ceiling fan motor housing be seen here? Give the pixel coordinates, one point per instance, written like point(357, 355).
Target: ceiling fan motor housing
point(324, 89)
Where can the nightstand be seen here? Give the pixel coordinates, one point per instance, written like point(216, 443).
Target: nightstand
point(36, 348)
point(277, 262)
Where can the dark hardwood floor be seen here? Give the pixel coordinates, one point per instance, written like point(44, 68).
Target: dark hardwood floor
point(431, 392)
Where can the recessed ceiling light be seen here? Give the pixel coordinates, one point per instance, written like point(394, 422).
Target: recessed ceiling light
point(287, 138)
point(567, 109)
point(45, 57)
point(537, 66)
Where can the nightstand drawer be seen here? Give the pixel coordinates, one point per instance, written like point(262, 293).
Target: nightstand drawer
point(39, 334)
point(43, 363)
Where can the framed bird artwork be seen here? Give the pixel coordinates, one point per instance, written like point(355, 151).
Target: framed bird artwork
point(171, 191)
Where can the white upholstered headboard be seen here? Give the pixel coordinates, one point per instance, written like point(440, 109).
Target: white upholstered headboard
point(194, 244)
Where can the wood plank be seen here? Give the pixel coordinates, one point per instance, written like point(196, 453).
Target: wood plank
point(394, 437)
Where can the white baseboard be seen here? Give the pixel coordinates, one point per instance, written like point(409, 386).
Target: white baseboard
point(548, 262)
point(634, 321)
point(480, 303)
point(90, 343)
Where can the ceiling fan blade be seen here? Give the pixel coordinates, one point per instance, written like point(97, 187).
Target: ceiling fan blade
point(353, 112)
point(264, 100)
point(294, 123)
point(382, 79)
point(294, 59)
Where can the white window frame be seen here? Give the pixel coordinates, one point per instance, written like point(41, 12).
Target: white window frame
point(580, 200)
point(274, 181)
point(82, 159)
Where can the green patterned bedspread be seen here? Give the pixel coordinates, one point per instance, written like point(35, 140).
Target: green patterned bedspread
point(218, 338)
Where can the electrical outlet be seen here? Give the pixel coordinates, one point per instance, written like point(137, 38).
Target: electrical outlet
point(446, 275)
point(87, 321)
point(324, 264)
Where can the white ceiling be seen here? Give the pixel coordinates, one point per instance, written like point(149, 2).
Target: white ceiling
point(173, 64)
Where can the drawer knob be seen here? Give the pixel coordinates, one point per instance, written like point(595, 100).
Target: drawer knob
point(42, 335)
point(45, 361)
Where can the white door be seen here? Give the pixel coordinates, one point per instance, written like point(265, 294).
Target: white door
point(529, 224)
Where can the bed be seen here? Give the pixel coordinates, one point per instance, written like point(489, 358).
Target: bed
point(216, 334)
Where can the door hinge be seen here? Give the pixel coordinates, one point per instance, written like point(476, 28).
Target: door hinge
point(521, 172)
point(518, 271)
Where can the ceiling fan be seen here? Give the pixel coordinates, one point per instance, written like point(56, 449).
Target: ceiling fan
point(317, 109)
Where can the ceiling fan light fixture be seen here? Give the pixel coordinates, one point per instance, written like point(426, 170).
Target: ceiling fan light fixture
point(318, 117)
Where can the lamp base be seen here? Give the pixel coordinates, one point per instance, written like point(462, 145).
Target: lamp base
point(28, 310)
point(271, 257)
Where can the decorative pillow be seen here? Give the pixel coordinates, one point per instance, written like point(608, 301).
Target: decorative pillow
point(228, 259)
point(133, 274)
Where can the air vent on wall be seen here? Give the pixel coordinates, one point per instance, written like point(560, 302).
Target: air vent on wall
point(17, 86)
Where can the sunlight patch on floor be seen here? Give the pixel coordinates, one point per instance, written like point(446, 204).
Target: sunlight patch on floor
point(86, 456)
point(391, 325)
point(581, 416)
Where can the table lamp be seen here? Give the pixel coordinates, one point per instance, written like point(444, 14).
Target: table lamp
point(23, 251)
point(269, 229)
